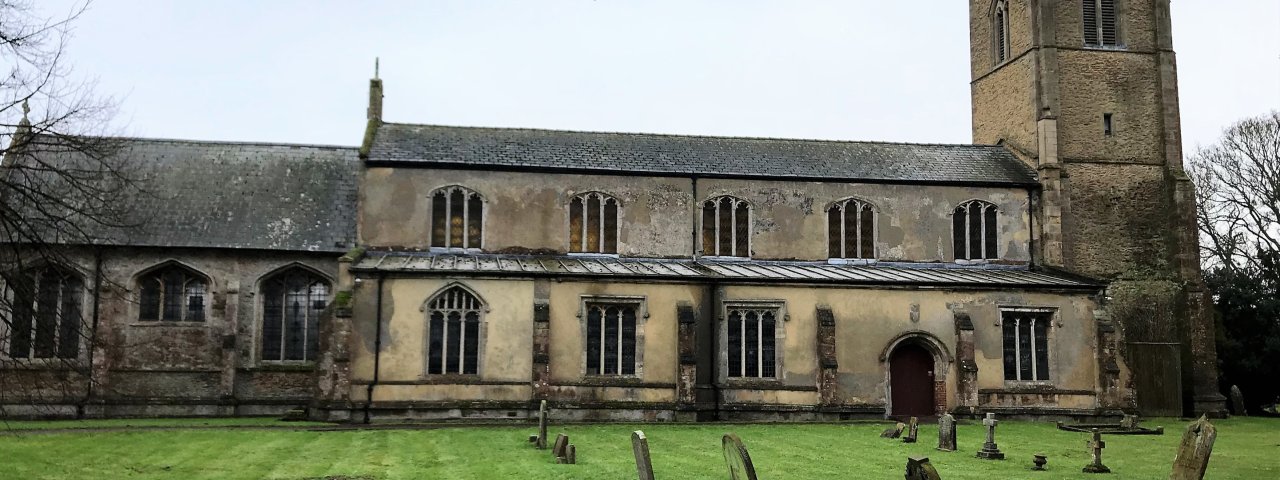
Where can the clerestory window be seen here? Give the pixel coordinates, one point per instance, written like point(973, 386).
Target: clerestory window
point(1026, 345)
point(1100, 23)
point(172, 294)
point(457, 218)
point(593, 223)
point(453, 332)
point(726, 227)
point(44, 315)
point(851, 230)
point(974, 231)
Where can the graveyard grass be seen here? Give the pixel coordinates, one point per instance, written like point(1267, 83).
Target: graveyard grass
point(1245, 448)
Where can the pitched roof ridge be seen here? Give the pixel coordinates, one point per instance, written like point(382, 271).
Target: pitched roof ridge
point(693, 136)
point(213, 142)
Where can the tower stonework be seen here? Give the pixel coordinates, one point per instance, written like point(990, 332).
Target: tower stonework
point(1086, 92)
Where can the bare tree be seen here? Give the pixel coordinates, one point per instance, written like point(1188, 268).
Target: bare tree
point(1238, 181)
point(61, 186)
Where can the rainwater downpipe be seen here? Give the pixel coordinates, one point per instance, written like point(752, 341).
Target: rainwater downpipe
point(377, 350)
point(714, 299)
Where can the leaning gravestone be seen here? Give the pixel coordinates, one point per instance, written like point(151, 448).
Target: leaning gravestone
point(894, 431)
point(1095, 465)
point(557, 449)
point(989, 449)
point(1194, 451)
point(1237, 402)
point(640, 447)
point(736, 457)
point(921, 469)
point(541, 442)
point(913, 428)
point(570, 456)
point(947, 433)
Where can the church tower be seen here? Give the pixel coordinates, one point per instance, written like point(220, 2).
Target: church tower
point(1086, 92)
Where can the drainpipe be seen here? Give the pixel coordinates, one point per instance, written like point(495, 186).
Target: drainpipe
point(93, 329)
point(377, 350)
point(697, 210)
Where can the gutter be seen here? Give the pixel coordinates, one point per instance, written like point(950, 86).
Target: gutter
point(377, 351)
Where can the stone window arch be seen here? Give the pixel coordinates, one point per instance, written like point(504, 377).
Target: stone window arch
point(45, 314)
point(455, 321)
point(726, 227)
point(172, 293)
point(457, 218)
point(851, 229)
point(593, 223)
point(292, 303)
point(1000, 30)
point(975, 231)
point(1100, 20)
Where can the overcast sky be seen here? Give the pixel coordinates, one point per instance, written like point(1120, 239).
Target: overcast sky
point(297, 71)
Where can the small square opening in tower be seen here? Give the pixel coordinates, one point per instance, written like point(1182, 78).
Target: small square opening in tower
point(1107, 127)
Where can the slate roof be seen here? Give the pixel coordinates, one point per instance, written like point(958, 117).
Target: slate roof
point(932, 274)
point(636, 153)
point(239, 195)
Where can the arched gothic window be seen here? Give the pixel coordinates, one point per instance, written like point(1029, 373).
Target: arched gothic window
point(1100, 23)
point(45, 314)
point(974, 230)
point(172, 294)
point(726, 227)
point(593, 223)
point(292, 303)
point(1000, 28)
point(457, 217)
point(851, 226)
point(453, 332)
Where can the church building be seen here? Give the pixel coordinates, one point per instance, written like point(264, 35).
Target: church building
point(1048, 270)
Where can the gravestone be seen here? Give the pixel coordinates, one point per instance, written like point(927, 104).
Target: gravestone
point(570, 456)
point(989, 449)
point(913, 428)
point(947, 433)
point(1194, 451)
point(921, 469)
point(737, 458)
point(640, 447)
point(1096, 466)
point(1237, 402)
point(894, 431)
point(557, 449)
point(542, 426)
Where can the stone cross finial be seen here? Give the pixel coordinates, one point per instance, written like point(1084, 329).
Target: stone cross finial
point(375, 67)
point(1097, 444)
point(989, 449)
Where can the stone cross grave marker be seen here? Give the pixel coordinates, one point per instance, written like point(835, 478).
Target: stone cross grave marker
point(1096, 466)
point(947, 433)
point(989, 449)
point(894, 431)
point(542, 426)
point(1194, 451)
point(737, 458)
point(919, 468)
point(557, 449)
point(1237, 402)
point(640, 447)
point(913, 427)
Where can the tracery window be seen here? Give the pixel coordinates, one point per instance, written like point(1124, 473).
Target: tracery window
point(292, 303)
point(44, 315)
point(751, 332)
point(611, 337)
point(1026, 345)
point(974, 230)
point(457, 218)
point(593, 223)
point(1100, 26)
point(851, 226)
point(172, 294)
point(726, 227)
point(1000, 27)
point(453, 332)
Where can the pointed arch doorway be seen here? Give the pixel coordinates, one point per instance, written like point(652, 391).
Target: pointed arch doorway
point(911, 381)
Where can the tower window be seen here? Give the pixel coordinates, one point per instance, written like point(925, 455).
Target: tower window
point(1107, 127)
point(1000, 25)
point(1100, 23)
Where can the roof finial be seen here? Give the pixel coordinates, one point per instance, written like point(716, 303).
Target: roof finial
point(375, 68)
point(25, 110)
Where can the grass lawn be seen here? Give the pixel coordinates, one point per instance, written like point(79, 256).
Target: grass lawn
point(1246, 448)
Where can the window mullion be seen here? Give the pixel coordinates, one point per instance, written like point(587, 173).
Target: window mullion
point(1035, 374)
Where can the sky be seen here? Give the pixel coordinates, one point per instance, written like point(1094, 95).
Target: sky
point(298, 71)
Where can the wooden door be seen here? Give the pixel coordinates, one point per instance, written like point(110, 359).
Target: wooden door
point(1157, 376)
point(911, 382)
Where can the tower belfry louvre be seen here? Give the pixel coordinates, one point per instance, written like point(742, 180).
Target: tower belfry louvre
point(443, 272)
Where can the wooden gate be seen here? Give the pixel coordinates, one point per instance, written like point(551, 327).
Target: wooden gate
point(1157, 374)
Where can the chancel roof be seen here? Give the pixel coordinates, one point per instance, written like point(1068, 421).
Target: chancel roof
point(685, 155)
